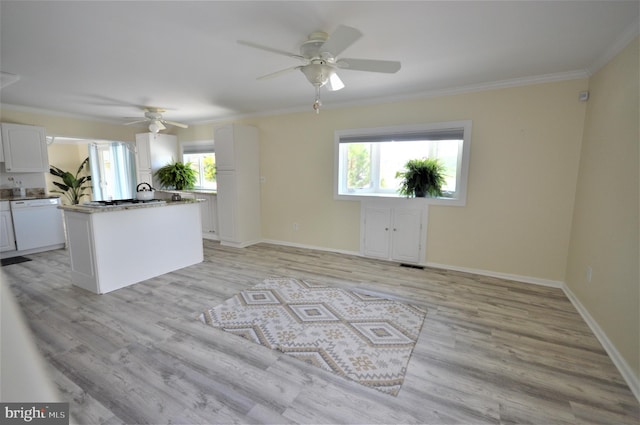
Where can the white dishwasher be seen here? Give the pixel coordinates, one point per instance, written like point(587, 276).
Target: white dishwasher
point(37, 223)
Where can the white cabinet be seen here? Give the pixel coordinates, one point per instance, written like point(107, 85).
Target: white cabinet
point(208, 215)
point(145, 176)
point(236, 148)
point(393, 232)
point(143, 150)
point(24, 148)
point(7, 238)
point(154, 151)
point(238, 178)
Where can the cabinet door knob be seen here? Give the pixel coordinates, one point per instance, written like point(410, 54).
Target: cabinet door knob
point(386, 228)
point(394, 229)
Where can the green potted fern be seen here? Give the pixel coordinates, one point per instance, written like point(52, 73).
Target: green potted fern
point(421, 178)
point(177, 176)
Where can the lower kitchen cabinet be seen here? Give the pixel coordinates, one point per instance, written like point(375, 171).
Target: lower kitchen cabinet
point(7, 238)
point(209, 216)
point(393, 233)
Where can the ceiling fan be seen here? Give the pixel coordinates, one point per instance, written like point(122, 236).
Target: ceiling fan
point(156, 123)
point(320, 62)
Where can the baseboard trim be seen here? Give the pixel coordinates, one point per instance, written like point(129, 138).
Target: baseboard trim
point(506, 276)
point(317, 248)
point(623, 367)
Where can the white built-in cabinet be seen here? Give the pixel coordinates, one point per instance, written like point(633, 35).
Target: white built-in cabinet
point(208, 215)
point(393, 232)
point(7, 238)
point(238, 178)
point(154, 151)
point(24, 149)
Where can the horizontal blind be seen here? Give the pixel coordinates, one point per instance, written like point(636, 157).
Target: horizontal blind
point(194, 148)
point(443, 134)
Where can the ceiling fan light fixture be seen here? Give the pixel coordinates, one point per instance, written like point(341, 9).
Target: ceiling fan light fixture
point(154, 127)
point(335, 83)
point(318, 74)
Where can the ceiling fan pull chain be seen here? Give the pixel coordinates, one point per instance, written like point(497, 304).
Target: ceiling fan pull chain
point(317, 104)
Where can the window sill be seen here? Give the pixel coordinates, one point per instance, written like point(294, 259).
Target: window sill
point(383, 197)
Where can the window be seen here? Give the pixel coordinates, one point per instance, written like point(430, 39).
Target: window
point(203, 161)
point(367, 160)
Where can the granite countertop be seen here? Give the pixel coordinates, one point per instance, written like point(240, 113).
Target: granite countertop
point(112, 208)
point(6, 194)
point(27, 197)
point(202, 191)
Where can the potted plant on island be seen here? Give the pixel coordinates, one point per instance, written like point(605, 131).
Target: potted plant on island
point(421, 178)
point(73, 186)
point(178, 176)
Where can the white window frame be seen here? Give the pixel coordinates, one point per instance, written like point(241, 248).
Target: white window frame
point(198, 147)
point(462, 170)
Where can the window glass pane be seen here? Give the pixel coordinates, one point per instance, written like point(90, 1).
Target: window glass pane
point(393, 156)
point(205, 166)
point(358, 166)
point(447, 152)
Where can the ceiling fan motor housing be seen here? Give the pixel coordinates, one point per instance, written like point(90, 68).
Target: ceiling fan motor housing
point(310, 49)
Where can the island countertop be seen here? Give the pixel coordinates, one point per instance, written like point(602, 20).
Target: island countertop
point(111, 208)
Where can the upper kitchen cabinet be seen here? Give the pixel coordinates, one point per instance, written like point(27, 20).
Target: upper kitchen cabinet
point(24, 148)
point(152, 152)
point(233, 144)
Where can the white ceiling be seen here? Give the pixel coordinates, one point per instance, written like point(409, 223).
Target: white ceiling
point(106, 60)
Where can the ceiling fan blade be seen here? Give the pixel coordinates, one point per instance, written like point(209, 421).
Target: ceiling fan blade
point(335, 83)
point(341, 38)
point(278, 73)
point(269, 49)
point(371, 65)
point(175, 124)
point(160, 124)
point(135, 122)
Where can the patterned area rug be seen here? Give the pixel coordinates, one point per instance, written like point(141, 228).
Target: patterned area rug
point(361, 337)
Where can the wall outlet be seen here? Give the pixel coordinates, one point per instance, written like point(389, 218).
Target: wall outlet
point(589, 274)
point(296, 227)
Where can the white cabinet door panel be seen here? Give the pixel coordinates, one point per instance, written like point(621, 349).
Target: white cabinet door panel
point(223, 143)
point(227, 205)
point(407, 224)
point(25, 149)
point(376, 232)
point(7, 239)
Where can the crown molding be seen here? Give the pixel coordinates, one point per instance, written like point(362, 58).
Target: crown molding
point(628, 35)
point(493, 85)
point(50, 112)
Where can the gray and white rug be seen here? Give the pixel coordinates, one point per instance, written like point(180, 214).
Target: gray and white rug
point(361, 337)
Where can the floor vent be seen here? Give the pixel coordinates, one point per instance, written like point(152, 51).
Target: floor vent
point(412, 266)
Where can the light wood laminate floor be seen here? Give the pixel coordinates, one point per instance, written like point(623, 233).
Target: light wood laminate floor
point(490, 351)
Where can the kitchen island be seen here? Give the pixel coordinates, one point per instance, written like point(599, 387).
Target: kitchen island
point(118, 245)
